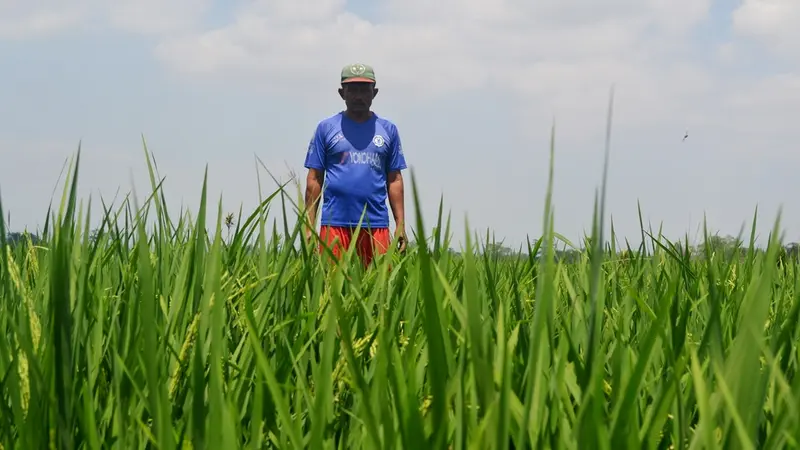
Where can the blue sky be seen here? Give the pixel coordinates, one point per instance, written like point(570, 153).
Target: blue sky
point(473, 86)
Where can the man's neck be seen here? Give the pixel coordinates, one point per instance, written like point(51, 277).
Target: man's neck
point(358, 116)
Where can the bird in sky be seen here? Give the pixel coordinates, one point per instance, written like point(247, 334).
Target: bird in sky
point(686, 135)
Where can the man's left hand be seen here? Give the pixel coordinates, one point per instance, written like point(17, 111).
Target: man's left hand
point(400, 234)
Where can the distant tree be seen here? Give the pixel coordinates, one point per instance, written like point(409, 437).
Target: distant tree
point(498, 250)
point(570, 255)
point(15, 238)
point(724, 246)
point(792, 250)
point(789, 253)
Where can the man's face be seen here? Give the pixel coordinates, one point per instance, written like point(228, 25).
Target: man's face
point(358, 96)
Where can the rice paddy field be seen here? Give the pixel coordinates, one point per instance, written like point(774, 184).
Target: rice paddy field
point(236, 333)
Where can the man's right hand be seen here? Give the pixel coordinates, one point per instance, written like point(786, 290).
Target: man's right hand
point(314, 181)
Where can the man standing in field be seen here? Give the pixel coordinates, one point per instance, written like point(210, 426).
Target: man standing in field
point(358, 157)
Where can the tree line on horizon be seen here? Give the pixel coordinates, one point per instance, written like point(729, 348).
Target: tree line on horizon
point(724, 245)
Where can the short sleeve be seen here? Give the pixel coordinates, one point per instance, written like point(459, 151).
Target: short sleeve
point(315, 156)
point(397, 160)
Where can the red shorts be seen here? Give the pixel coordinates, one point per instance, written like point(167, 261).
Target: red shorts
point(368, 242)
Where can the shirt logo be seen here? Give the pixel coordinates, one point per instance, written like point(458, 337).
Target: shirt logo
point(372, 159)
point(378, 140)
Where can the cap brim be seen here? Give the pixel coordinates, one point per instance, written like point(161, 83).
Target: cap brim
point(358, 80)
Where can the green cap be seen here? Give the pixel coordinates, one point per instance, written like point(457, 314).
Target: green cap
point(358, 72)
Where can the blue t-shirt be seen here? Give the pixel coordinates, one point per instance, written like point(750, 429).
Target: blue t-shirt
point(356, 158)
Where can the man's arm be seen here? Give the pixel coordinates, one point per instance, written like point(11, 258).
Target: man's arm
point(314, 181)
point(397, 202)
point(315, 163)
point(394, 186)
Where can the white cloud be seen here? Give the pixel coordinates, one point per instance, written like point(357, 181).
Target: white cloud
point(560, 57)
point(765, 110)
point(456, 44)
point(26, 19)
point(775, 22)
point(23, 19)
point(157, 16)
